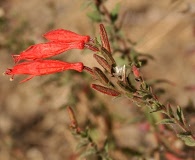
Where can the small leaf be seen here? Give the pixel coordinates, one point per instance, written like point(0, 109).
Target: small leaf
point(107, 56)
point(144, 86)
point(101, 76)
point(89, 70)
point(187, 138)
point(156, 107)
point(105, 90)
point(166, 121)
point(102, 62)
point(130, 85)
point(85, 133)
point(72, 117)
point(146, 96)
point(104, 38)
point(169, 110)
point(180, 115)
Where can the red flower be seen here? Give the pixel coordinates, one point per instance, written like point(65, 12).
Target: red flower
point(43, 67)
point(44, 50)
point(65, 36)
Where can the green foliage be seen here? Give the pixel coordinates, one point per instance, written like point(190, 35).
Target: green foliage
point(188, 139)
point(166, 121)
point(133, 87)
point(180, 115)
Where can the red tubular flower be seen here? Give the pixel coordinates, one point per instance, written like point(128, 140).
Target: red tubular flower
point(65, 36)
point(44, 50)
point(43, 67)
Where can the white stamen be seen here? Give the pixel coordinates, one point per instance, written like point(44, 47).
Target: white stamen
point(120, 72)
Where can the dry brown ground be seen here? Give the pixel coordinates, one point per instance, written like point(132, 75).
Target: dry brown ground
point(31, 124)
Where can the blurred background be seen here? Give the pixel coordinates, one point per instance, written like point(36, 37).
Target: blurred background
point(33, 119)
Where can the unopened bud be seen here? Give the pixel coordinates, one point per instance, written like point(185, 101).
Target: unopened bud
point(105, 90)
point(88, 70)
point(104, 38)
point(102, 62)
point(72, 118)
point(136, 72)
point(91, 47)
point(101, 76)
point(107, 55)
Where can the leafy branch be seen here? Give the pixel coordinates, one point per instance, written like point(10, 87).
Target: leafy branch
point(130, 85)
point(86, 141)
point(127, 81)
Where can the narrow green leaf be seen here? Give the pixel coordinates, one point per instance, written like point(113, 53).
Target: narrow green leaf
point(144, 87)
point(101, 76)
point(187, 138)
point(180, 115)
point(169, 110)
point(166, 121)
point(146, 96)
point(84, 133)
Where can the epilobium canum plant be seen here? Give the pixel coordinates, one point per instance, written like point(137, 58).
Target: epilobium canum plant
point(113, 79)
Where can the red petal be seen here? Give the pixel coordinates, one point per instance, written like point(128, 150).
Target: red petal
point(45, 50)
point(43, 67)
point(65, 35)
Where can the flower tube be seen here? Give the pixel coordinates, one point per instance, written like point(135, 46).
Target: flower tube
point(65, 36)
point(45, 50)
point(43, 67)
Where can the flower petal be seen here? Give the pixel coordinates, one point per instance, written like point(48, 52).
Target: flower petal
point(45, 50)
point(43, 67)
point(65, 35)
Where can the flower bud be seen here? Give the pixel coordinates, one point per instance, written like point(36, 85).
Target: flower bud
point(105, 90)
point(104, 38)
point(136, 72)
point(101, 76)
point(103, 62)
